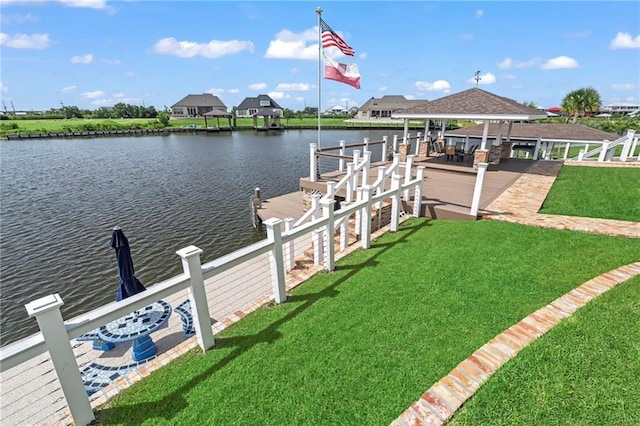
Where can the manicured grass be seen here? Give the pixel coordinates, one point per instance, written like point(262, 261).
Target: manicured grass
point(602, 192)
point(73, 124)
point(585, 371)
point(359, 345)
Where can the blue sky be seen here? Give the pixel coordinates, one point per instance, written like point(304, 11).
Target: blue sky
point(93, 53)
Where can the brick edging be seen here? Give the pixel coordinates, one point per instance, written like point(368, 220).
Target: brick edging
point(439, 403)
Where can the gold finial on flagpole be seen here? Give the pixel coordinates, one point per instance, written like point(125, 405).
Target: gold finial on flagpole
point(319, 10)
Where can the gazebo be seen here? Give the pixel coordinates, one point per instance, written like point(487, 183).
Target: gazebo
point(270, 117)
point(217, 114)
point(473, 105)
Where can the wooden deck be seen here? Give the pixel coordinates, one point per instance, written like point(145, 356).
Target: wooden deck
point(448, 188)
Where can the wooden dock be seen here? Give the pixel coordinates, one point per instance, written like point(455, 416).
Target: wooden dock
point(448, 189)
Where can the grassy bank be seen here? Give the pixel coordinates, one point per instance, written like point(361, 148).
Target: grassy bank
point(359, 345)
point(602, 192)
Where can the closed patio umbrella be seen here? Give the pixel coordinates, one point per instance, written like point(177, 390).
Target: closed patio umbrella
point(129, 284)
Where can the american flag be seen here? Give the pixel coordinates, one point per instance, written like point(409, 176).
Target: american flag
point(331, 38)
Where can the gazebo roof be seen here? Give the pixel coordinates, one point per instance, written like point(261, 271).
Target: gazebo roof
point(539, 130)
point(472, 104)
point(216, 113)
point(267, 112)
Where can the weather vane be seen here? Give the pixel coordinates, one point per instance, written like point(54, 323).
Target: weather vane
point(477, 78)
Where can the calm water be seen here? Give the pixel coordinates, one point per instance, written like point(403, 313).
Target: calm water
point(60, 199)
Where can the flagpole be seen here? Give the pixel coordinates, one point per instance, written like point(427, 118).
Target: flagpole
point(319, 12)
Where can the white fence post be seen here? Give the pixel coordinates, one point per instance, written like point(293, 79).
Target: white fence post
point(365, 169)
point(291, 248)
point(366, 144)
point(344, 229)
point(329, 233)
point(407, 175)
point(626, 149)
point(477, 190)
point(274, 234)
point(331, 189)
point(566, 150)
point(312, 162)
point(197, 296)
point(385, 139)
point(603, 152)
point(349, 189)
point(343, 151)
point(417, 151)
point(395, 202)
point(365, 241)
point(316, 238)
point(395, 143)
point(417, 195)
point(358, 213)
point(47, 313)
point(536, 150)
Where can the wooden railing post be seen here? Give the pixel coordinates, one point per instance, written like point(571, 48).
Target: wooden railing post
point(329, 232)
point(395, 202)
point(385, 139)
point(312, 162)
point(291, 248)
point(47, 313)
point(477, 190)
point(192, 267)
point(417, 195)
point(365, 241)
point(274, 234)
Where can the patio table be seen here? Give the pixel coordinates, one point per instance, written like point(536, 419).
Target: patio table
point(137, 327)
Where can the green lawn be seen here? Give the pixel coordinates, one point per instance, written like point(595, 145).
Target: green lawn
point(585, 371)
point(359, 345)
point(602, 192)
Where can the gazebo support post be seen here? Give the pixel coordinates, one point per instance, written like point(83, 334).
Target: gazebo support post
point(482, 155)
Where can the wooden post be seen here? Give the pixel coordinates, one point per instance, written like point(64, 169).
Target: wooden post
point(47, 313)
point(274, 234)
point(329, 232)
point(312, 162)
point(395, 202)
point(477, 190)
point(291, 249)
point(192, 267)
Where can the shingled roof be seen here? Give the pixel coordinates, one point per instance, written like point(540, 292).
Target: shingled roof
point(250, 102)
point(472, 104)
point(204, 100)
point(390, 102)
point(539, 130)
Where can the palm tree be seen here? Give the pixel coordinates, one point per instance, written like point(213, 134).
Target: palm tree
point(581, 101)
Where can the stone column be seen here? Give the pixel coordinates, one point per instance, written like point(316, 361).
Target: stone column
point(480, 156)
point(424, 149)
point(506, 149)
point(404, 149)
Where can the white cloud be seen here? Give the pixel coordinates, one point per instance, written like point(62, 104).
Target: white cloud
point(510, 77)
point(436, 86)
point(25, 41)
point(119, 95)
point(293, 87)
point(82, 59)
point(129, 74)
point(411, 97)
point(487, 78)
point(215, 91)
point(295, 70)
point(466, 36)
point(233, 90)
point(559, 63)
point(92, 4)
point(3, 88)
point(626, 86)
point(383, 89)
point(625, 41)
point(257, 86)
point(189, 49)
point(479, 13)
point(507, 63)
point(68, 89)
point(290, 45)
point(279, 95)
point(92, 95)
point(363, 55)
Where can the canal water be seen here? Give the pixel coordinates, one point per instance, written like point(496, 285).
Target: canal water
point(61, 198)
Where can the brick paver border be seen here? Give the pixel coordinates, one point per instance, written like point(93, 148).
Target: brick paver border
point(438, 404)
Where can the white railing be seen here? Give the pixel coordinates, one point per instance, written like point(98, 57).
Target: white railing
point(215, 280)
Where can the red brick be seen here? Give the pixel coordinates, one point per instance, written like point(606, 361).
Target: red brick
point(541, 319)
point(477, 363)
point(448, 396)
point(463, 378)
point(518, 337)
point(409, 419)
point(487, 360)
point(436, 405)
point(472, 371)
point(499, 351)
point(564, 307)
point(524, 332)
point(588, 290)
point(512, 343)
point(539, 327)
point(459, 388)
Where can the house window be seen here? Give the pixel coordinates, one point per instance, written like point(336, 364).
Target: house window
point(265, 103)
point(178, 111)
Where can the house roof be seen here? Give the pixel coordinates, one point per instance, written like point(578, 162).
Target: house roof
point(390, 102)
point(472, 104)
point(539, 130)
point(204, 100)
point(249, 102)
